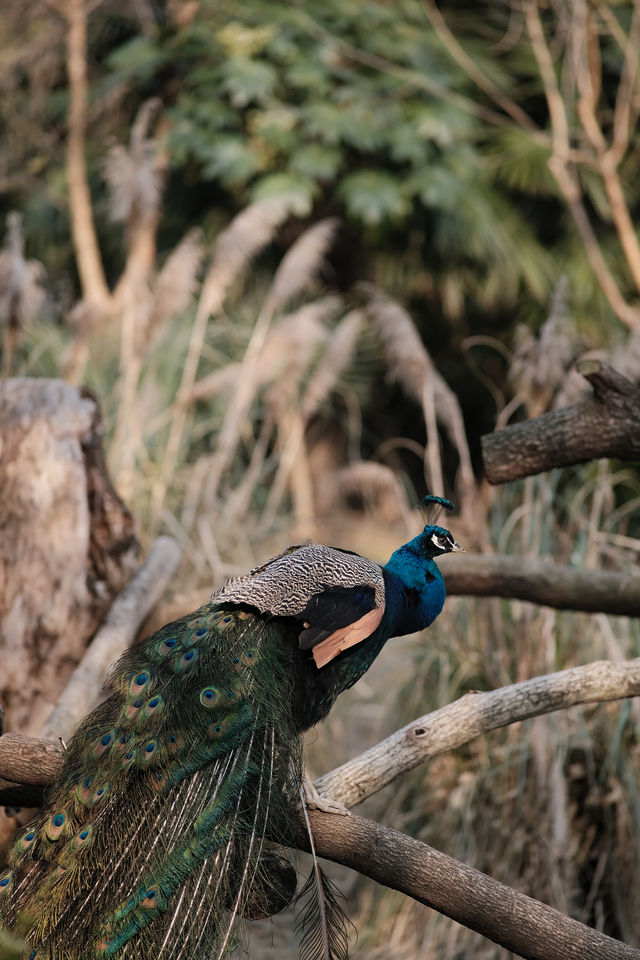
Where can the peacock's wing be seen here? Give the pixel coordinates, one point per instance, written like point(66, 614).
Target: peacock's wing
point(338, 596)
point(151, 841)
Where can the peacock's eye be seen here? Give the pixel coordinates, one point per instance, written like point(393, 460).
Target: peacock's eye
point(441, 542)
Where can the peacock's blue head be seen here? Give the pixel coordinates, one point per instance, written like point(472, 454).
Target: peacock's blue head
point(436, 540)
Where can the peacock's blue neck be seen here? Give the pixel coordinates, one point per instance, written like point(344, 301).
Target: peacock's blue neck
point(414, 588)
point(413, 599)
point(414, 596)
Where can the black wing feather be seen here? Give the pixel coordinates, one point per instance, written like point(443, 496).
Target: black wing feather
point(332, 609)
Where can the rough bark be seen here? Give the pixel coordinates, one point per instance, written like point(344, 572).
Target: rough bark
point(28, 766)
point(527, 927)
point(541, 581)
point(470, 716)
point(66, 542)
point(604, 425)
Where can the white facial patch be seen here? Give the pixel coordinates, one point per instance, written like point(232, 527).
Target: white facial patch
point(441, 542)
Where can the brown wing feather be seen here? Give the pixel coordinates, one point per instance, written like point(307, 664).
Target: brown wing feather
point(347, 636)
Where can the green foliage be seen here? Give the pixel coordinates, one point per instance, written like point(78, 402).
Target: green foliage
point(373, 197)
point(357, 109)
point(138, 59)
point(353, 106)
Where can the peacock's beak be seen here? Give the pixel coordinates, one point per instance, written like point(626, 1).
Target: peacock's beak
point(457, 547)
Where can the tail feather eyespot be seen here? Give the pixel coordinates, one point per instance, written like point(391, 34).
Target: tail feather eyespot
point(166, 645)
point(153, 706)
point(131, 709)
point(158, 780)
point(210, 698)
point(103, 744)
point(101, 792)
point(56, 825)
point(139, 682)
point(84, 790)
point(187, 661)
point(23, 844)
point(81, 840)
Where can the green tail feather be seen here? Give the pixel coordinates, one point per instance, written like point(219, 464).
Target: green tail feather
point(151, 840)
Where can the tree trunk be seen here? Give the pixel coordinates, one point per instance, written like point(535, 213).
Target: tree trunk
point(66, 542)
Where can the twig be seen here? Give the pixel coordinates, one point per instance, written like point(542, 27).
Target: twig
point(565, 177)
point(414, 78)
point(457, 52)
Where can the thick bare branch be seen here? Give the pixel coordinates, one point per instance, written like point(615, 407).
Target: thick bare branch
point(28, 766)
point(605, 425)
point(527, 927)
point(540, 581)
point(435, 733)
point(471, 716)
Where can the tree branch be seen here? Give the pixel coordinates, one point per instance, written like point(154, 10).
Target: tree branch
point(537, 580)
point(35, 763)
point(518, 923)
point(28, 766)
point(469, 717)
point(605, 425)
point(527, 927)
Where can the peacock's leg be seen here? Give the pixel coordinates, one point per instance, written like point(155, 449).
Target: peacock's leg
point(315, 801)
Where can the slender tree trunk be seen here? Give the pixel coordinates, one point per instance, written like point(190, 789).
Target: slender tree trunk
point(85, 243)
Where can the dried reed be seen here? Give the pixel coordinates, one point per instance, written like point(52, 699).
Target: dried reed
point(133, 174)
point(410, 365)
point(248, 233)
point(295, 273)
point(176, 283)
point(21, 292)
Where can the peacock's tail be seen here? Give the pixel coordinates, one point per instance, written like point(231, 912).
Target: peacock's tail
point(150, 843)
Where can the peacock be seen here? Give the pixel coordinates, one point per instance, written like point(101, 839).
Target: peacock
point(151, 844)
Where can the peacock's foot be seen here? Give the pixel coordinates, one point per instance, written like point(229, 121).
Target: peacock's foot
point(315, 801)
